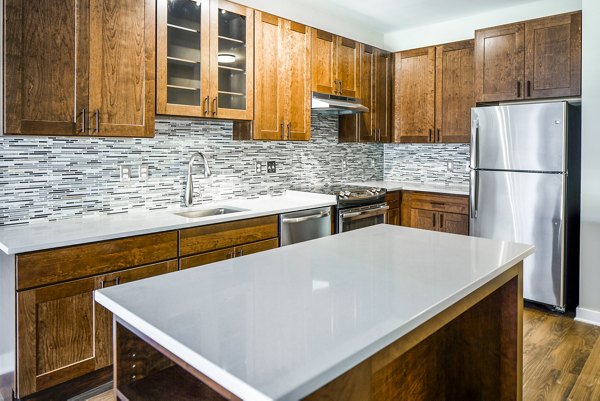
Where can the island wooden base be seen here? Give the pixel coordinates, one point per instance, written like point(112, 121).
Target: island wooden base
point(471, 351)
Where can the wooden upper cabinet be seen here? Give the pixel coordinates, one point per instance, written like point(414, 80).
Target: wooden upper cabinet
point(122, 67)
point(454, 91)
point(347, 62)
point(553, 56)
point(46, 68)
point(268, 91)
point(89, 72)
point(383, 95)
point(297, 81)
point(205, 53)
point(529, 60)
point(324, 73)
point(499, 63)
point(282, 79)
point(414, 95)
point(335, 64)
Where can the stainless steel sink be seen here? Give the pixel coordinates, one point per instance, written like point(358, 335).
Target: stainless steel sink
point(194, 214)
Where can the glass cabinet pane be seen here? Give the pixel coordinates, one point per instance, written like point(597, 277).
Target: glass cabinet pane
point(183, 52)
point(232, 60)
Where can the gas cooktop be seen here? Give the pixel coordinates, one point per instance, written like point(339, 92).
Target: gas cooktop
point(348, 194)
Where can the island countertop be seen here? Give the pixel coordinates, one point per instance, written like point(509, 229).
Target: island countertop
point(280, 324)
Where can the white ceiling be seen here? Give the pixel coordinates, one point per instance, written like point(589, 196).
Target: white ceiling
point(385, 16)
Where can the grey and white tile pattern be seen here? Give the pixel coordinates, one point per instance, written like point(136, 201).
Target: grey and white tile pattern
point(54, 178)
point(427, 163)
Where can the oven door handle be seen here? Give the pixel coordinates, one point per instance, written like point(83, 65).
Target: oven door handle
point(365, 213)
point(293, 220)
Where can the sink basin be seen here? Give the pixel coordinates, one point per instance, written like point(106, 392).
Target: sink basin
point(194, 214)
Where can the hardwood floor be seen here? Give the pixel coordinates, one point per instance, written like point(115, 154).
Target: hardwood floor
point(561, 359)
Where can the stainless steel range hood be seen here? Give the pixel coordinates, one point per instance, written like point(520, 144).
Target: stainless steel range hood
point(329, 104)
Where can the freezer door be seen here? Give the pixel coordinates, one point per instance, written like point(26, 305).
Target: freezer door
point(525, 208)
point(527, 137)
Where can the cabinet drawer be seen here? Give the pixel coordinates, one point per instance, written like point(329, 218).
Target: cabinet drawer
point(227, 253)
point(441, 203)
point(393, 199)
point(226, 235)
point(57, 265)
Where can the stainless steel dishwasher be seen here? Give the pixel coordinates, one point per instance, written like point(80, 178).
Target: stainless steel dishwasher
point(304, 225)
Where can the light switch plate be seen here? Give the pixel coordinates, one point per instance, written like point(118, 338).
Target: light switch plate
point(258, 167)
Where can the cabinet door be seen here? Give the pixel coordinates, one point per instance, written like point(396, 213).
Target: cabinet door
point(296, 81)
point(383, 95)
point(206, 258)
point(323, 62)
point(183, 57)
point(347, 62)
point(268, 92)
point(454, 223)
point(499, 63)
point(366, 123)
point(232, 57)
point(454, 92)
point(122, 69)
point(46, 67)
point(425, 219)
point(62, 334)
point(256, 247)
point(553, 56)
point(414, 99)
point(394, 217)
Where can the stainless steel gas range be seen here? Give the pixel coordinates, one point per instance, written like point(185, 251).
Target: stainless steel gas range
point(357, 207)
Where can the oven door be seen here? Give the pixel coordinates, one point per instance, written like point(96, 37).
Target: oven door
point(360, 217)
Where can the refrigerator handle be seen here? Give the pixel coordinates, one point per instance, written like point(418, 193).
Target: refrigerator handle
point(474, 194)
point(474, 143)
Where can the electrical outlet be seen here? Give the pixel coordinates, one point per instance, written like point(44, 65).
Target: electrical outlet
point(125, 172)
point(258, 167)
point(143, 172)
point(271, 167)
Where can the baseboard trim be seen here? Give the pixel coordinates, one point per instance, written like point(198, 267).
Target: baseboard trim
point(588, 316)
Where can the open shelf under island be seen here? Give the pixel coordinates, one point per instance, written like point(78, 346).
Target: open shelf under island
point(381, 313)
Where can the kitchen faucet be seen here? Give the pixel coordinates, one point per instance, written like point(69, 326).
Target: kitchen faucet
point(189, 187)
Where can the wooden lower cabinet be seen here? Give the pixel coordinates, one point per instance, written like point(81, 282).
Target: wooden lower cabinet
point(62, 334)
point(436, 212)
point(227, 253)
point(392, 199)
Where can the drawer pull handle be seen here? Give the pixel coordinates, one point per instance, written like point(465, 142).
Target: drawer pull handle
point(441, 220)
point(103, 283)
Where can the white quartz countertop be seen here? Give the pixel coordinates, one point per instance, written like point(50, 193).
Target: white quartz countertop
point(38, 236)
point(280, 324)
point(415, 186)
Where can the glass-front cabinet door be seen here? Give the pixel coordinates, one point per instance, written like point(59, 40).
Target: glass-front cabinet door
point(205, 59)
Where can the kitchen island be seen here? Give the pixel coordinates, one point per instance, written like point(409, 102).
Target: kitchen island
point(383, 312)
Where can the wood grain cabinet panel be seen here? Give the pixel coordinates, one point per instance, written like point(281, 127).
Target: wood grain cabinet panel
point(45, 66)
point(347, 55)
point(227, 253)
point(57, 265)
point(434, 93)
point(376, 94)
point(89, 72)
point(534, 59)
point(226, 235)
point(499, 63)
point(553, 56)
point(282, 82)
point(62, 334)
point(414, 95)
point(454, 91)
point(392, 199)
point(324, 69)
point(436, 212)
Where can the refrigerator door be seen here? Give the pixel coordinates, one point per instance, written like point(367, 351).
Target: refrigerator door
point(526, 208)
point(527, 137)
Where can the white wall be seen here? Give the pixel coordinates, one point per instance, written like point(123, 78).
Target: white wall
point(319, 14)
point(463, 28)
point(590, 165)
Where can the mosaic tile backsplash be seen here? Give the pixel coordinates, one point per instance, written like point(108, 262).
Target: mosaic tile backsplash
point(427, 163)
point(54, 178)
point(45, 179)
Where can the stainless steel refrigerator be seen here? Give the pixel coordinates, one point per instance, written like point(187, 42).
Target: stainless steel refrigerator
point(525, 187)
